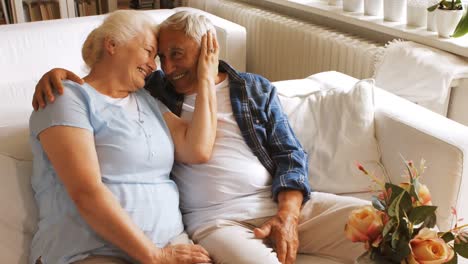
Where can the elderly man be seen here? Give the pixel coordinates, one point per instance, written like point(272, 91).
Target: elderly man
point(251, 202)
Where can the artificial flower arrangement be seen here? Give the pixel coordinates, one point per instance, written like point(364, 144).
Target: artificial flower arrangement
point(399, 226)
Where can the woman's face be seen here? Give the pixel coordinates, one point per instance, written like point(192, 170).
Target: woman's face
point(135, 59)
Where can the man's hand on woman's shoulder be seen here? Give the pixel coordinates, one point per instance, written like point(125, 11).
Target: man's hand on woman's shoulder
point(51, 81)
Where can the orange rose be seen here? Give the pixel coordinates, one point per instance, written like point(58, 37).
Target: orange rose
point(423, 193)
point(364, 225)
point(428, 248)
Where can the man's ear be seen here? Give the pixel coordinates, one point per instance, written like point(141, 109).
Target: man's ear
point(109, 45)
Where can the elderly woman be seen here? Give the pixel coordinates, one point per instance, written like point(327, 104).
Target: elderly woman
point(103, 153)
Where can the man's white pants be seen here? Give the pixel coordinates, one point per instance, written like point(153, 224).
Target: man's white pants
point(321, 232)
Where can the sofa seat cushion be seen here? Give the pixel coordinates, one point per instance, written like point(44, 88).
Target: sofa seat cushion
point(336, 128)
point(309, 259)
point(19, 213)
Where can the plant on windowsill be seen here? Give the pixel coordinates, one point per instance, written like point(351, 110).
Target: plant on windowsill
point(399, 227)
point(448, 16)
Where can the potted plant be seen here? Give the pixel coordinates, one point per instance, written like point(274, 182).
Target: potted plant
point(448, 15)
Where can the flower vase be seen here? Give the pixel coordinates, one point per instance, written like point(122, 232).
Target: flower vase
point(446, 21)
point(431, 20)
point(395, 10)
point(335, 2)
point(366, 259)
point(373, 7)
point(416, 13)
point(353, 5)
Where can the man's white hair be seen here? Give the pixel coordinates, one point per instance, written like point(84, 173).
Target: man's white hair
point(193, 24)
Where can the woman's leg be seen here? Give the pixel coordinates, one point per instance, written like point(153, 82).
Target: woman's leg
point(101, 260)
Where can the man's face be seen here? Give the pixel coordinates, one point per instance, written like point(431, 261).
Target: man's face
point(179, 54)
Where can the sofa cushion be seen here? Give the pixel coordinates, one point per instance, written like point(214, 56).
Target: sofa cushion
point(336, 128)
point(19, 212)
point(14, 132)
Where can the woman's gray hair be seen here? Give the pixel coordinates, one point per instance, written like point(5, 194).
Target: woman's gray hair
point(193, 24)
point(120, 26)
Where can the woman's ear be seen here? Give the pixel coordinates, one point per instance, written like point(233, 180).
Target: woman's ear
point(109, 45)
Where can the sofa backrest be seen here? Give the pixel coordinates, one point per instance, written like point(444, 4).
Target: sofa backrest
point(29, 50)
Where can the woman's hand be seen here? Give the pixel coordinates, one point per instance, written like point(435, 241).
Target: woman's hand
point(183, 254)
point(194, 140)
point(209, 58)
point(49, 82)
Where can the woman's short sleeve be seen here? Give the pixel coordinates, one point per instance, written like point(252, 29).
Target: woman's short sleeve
point(69, 109)
point(162, 107)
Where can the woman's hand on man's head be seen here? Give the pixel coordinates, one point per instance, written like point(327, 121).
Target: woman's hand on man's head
point(209, 58)
point(49, 82)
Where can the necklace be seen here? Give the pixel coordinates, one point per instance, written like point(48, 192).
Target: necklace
point(138, 109)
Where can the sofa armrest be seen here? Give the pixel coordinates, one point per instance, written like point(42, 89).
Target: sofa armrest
point(406, 129)
point(415, 132)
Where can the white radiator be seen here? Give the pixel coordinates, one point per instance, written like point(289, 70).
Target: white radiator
point(280, 47)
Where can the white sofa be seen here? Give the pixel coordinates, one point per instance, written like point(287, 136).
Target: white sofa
point(29, 50)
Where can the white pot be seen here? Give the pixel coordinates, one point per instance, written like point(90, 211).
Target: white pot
point(353, 5)
point(373, 7)
point(416, 16)
point(447, 21)
point(335, 2)
point(431, 21)
point(395, 10)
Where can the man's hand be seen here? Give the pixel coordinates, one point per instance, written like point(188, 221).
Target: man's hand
point(282, 229)
point(51, 81)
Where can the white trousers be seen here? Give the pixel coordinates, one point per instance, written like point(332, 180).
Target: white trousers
point(321, 232)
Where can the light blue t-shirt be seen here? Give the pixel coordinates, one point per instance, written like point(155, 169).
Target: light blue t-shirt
point(135, 159)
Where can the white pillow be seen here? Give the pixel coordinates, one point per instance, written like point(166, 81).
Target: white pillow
point(18, 218)
point(336, 128)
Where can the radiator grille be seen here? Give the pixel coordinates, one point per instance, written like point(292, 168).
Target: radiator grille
point(280, 47)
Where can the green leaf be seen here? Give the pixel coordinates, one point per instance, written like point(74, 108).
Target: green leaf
point(395, 190)
point(447, 237)
point(430, 221)
point(461, 248)
point(454, 260)
point(378, 204)
point(400, 206)
point(432, 8)
point(415, 185)
point(395, 238)
point(420, 213)
point(389, 227)
point(402, 250)
point(462, 27)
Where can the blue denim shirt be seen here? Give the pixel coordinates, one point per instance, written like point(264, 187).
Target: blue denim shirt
point(263, 124)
